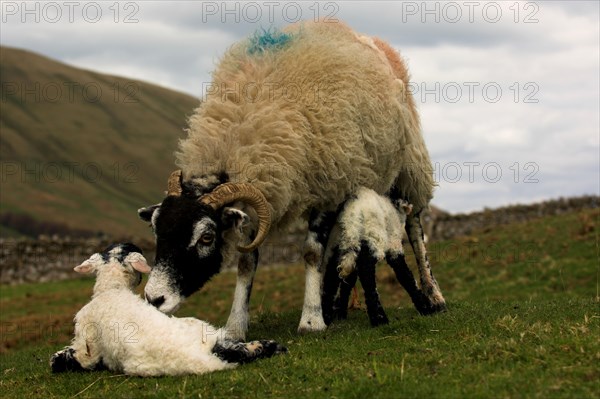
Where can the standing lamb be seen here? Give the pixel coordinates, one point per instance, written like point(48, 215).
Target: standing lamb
point(292, 125)
point(119, 331)
point(367, 230)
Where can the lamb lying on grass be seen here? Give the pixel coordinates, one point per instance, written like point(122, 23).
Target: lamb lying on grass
point(121, 332)
point(369, 228)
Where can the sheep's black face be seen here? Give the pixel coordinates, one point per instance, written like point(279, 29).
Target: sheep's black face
point(189, 247)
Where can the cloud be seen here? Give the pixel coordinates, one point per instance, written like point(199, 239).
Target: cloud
point(501, 86)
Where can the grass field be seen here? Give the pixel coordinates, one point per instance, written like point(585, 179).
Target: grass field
point(523, 321)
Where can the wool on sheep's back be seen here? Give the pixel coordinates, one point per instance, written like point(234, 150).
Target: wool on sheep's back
point(309, 119)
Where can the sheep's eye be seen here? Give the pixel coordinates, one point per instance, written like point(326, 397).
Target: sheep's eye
point(207, 238)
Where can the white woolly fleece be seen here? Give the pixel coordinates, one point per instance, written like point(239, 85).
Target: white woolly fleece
point(310, 122)
point(133, 337)
point(369, 218)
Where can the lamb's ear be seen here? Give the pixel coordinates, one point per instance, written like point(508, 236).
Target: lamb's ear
point(138, 262)
point(89, 265)
point(235, 218)
point(407, 207)
point(146, 213)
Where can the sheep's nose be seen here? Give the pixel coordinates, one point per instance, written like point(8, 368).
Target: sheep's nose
point(156, 302)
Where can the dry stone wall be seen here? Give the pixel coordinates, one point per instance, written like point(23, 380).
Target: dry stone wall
point(447, 226)
point(53, 258)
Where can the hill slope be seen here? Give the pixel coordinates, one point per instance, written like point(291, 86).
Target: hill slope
point(81, 148)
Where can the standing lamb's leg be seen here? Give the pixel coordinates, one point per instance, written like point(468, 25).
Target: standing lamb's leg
point(407, 280)
point(340, 308)
point(429, 285)
point(365, 264)
point(319, 227)
point(237, 324)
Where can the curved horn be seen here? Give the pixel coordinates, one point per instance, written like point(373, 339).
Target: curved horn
point(230, 192)
point(174, 183)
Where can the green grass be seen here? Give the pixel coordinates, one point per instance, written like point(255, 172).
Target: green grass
point(523, 321)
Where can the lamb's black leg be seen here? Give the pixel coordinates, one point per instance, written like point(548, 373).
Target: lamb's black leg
point(246, 352)
point(331, 284)
point(340, 307)
point(406, 278)
point(65, 360)
point(365, 264)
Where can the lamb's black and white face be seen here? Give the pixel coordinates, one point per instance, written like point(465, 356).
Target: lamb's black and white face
point(191, 244)
point(127, 258)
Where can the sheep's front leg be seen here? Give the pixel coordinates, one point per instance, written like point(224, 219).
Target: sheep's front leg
point(312, 315)
point(429, 285)
point(331, 284)
point(237, 324)
point(319, 227)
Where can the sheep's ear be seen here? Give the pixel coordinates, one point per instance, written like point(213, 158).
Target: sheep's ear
point(89, 265)
point(146, 213)
point(235, 218)
point(138, 262)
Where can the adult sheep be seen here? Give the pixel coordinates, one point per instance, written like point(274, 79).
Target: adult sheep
point(294, 122)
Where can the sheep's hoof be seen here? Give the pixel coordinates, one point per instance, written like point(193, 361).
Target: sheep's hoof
point(439, 307)
point(235, 331)
point(313, 325)
point(428, 307)
point(234, 335)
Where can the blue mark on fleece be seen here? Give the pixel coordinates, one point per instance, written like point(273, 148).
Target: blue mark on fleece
point(267, 40)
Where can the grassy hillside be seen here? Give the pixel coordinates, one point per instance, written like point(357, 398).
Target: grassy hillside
point(523, 321)
point(81, 148)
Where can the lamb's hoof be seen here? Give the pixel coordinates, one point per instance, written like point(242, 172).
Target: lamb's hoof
point(379, 320)
point(340, 313)
point(65, 361)
point(328, 318)
point(271, 348)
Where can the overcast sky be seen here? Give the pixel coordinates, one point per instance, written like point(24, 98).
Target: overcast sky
point(508, 91)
